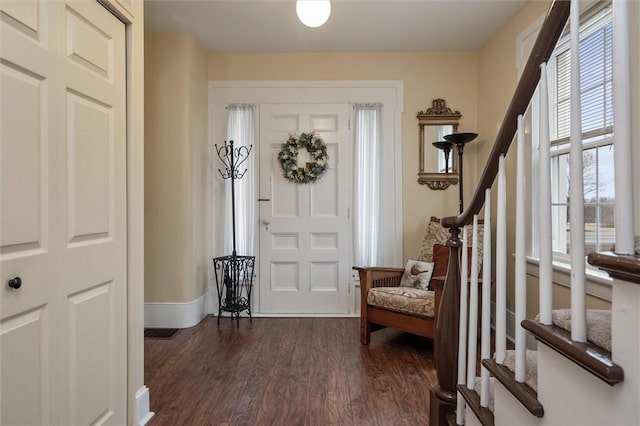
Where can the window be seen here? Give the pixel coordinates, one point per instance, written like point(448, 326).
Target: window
point(367, 230)
point(240, 130)
point(597, 143)
point(597, 135)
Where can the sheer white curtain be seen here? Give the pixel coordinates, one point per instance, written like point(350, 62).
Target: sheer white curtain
point(368, 223)
point(241, 130)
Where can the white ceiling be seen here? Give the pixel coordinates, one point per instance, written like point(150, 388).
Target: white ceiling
point(354, 25)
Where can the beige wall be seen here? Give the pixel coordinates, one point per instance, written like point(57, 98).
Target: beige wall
point(561, 298)
point(200, 204)
point(479, 84)
point(175, 168)
point(450, 75)
point(497, 80)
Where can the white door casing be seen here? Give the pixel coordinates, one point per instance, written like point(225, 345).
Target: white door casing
point(63, 334)
point(305, 229)
point(387, 92)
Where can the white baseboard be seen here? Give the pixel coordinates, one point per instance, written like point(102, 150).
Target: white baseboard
point(143, 415)
point(285, 315)
point(174, 315)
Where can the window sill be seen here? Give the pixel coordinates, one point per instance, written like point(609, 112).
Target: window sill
point(598, 283)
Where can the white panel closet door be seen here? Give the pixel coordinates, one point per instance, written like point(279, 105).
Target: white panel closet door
point(63, 333)
point(305, 229)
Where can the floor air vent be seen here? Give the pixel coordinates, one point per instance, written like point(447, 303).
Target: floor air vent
point(160, 333)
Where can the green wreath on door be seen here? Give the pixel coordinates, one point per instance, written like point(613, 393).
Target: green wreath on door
point(312, 170)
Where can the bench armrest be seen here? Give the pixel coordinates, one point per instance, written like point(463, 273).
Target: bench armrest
point(371, 277)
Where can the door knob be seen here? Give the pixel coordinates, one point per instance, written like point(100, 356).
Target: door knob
point(15, 283)
point(266, 222)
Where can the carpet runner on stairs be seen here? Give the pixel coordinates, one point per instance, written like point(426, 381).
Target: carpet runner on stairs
point(598, 325)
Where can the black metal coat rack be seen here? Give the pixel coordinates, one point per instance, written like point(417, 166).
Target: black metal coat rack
point(234, 274)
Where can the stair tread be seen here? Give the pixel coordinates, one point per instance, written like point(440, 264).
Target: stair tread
point(620, 266)
point(522, 391)
point(484, 415)
point(477, 388)
point(589, 356)
point(598, 325)
point(531, 366)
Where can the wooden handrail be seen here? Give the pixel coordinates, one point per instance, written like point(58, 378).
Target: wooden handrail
point(550, 32)
point(443, 396)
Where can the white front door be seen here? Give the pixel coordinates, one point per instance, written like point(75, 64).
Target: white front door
point(63, 332)
point(305, 232)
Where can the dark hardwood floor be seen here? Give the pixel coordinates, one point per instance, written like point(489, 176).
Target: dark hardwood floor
point(289, 371)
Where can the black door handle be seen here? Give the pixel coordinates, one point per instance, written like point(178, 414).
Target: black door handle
point(15, 283)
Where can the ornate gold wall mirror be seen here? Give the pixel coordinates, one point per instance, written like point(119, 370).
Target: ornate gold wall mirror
point(438, 164)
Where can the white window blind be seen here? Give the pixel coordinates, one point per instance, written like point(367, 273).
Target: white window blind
point(595, 80)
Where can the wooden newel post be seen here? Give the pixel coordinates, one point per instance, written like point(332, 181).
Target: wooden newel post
point(443, 395)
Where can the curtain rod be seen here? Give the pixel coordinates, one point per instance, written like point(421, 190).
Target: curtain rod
point(240, 106)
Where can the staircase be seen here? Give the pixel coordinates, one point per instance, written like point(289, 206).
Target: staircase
point(585, 366)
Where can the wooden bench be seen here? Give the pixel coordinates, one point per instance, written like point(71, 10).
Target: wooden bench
point(374, 317)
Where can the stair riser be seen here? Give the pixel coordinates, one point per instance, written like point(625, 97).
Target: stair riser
point(509, 411)
point(570, 395)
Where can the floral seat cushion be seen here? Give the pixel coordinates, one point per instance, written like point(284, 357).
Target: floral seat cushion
point(406, 300)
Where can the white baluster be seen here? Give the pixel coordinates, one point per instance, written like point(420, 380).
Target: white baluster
point(501, 265)
point(462, 336)
point(473, 309)
point(485, 344)
point(520, 267)
point(576, 214)
point(545, 247)
point(623, 157)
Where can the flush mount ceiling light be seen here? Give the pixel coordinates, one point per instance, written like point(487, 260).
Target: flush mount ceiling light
point(313, 13)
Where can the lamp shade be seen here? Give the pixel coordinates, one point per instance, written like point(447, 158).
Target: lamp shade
point(313, 13)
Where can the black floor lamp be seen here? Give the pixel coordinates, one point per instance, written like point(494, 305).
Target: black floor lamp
point(460, 140)
point(446, 147)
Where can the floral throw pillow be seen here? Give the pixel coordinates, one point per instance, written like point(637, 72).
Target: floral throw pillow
point(435, 234)
point(417, 274)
